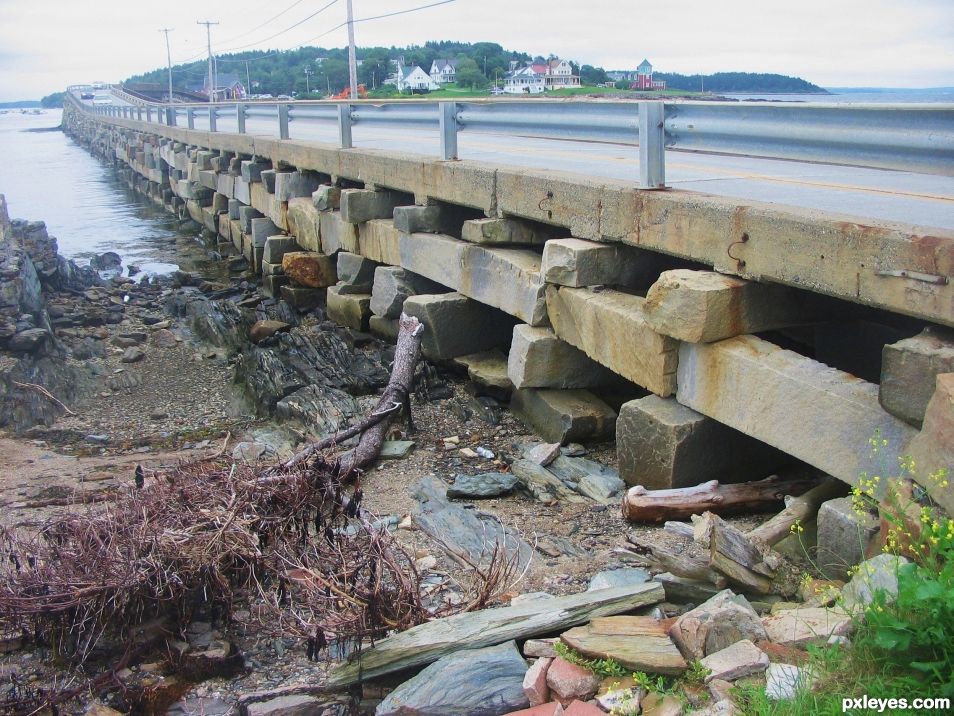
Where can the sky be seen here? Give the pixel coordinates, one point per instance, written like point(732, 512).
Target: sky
point(46, 45)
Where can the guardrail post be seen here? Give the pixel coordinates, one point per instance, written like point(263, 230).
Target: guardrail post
point(652, 145)
point(139, 113)
point(149, 114)
point(213, 114)
point(448, 123)
point(171, 116)
point(283, 121)
point(344, 126)
point(240, 117)
point(190, 117)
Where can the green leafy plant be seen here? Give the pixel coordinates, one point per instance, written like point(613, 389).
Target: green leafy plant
point(601, 667)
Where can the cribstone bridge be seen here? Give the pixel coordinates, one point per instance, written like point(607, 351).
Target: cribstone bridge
point(717, 338)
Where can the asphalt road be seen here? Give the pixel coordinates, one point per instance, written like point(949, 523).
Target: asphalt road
point(924, 200)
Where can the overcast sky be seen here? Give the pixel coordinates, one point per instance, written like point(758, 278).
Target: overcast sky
point(48, 44)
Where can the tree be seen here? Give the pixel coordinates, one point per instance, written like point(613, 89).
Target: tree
point(375, 67)
point(52, 101)
point(590, 75)
point(469, 74)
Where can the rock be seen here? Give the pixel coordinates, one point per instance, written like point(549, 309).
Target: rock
point(783, 681)
point(106, 261)
point(326, 197)
point(310, 269)
point(620, 694)
point(658, 705)
point(277, 246)
point(488, 371)
point(740, 659)
point(541, 648)
point(133, 355)
point(292, 705)
point(249, 451)
point(716, 624)
point(909, 371)
point(28, 340)
point(486, 484)
point(541, 483)
point(349, 309)
point(811, 625)
point(463, 532)
point(933, 447)
point(164, 338)
point(219, 660)
point(538, 359)
point(661, 444)
point(393, 285)
point(543, 454)
point(638, 643)
point(204, 705)
point(581, 708)
point(303, 298)
point(553, 708)
point(261, 330)
point(564, 415)
point(396, 449)
point(535, 682)
point(618, 578)
point(843, 536)
point(569, 682)
point(456, 325)
point(575, 262)
point(478, 682)
point(356, 270)
point(878, 573)
point(98, 709)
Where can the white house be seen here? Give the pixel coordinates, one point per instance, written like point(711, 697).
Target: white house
point(444, 71)
point(413, 79)
point(537, 77)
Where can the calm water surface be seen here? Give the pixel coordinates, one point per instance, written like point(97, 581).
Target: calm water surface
point(45, 176)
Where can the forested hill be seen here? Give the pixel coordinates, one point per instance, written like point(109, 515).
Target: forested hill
point(739, 82)
point(479, 65)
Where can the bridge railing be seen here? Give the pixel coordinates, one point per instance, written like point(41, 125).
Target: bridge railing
point(909, 137)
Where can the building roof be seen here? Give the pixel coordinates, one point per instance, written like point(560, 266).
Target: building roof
point(645, 63)
point(439, 65)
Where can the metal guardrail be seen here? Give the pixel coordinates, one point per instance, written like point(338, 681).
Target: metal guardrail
point(909, 137)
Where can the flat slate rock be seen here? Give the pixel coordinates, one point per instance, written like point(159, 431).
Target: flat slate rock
point(396, 449)
point(432, 640)
point(638, 643)
point(465, 535)
point(476, 682)
point(486, 484)
point(618, 578)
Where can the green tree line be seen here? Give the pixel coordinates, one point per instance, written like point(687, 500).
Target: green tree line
point(479, 65)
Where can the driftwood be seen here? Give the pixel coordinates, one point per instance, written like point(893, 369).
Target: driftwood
point(731, 553)
point(430, 641)
point(801, 508)
point(682, 564)
point(642, 505)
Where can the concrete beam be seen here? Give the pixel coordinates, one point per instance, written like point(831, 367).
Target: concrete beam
point(611, 328)
point(818, 414)
point(538, 359)
point(393, 285)
point(909, 371)
point(455, 325)
point(704, 306)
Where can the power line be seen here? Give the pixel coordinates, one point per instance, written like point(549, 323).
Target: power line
point(405, 12)
point(282, 32)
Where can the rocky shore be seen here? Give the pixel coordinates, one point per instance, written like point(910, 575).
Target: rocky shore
point(105, 378)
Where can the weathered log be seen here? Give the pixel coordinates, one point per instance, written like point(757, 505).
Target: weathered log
point(800, 508)
point(679, 563)
point(430, 641)
point(731, 553)
point(642, 505)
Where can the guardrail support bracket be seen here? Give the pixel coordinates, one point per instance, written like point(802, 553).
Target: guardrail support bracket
point(448, 123)
point(652, 145)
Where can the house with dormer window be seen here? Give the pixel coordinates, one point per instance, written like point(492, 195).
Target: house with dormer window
point(540, 76)
point(444, 71)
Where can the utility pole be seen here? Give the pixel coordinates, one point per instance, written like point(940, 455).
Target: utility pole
point(308, 80)
point(208, 38)
point(248, 80)
point(352, 60)
point(167, 30)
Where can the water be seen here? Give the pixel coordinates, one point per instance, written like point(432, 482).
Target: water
point(860, 95)
point(45, 176)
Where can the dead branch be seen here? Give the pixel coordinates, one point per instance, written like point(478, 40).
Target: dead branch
point(801, 508)
point(45, 393)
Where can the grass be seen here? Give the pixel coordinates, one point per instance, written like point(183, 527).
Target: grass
point(452, 91)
